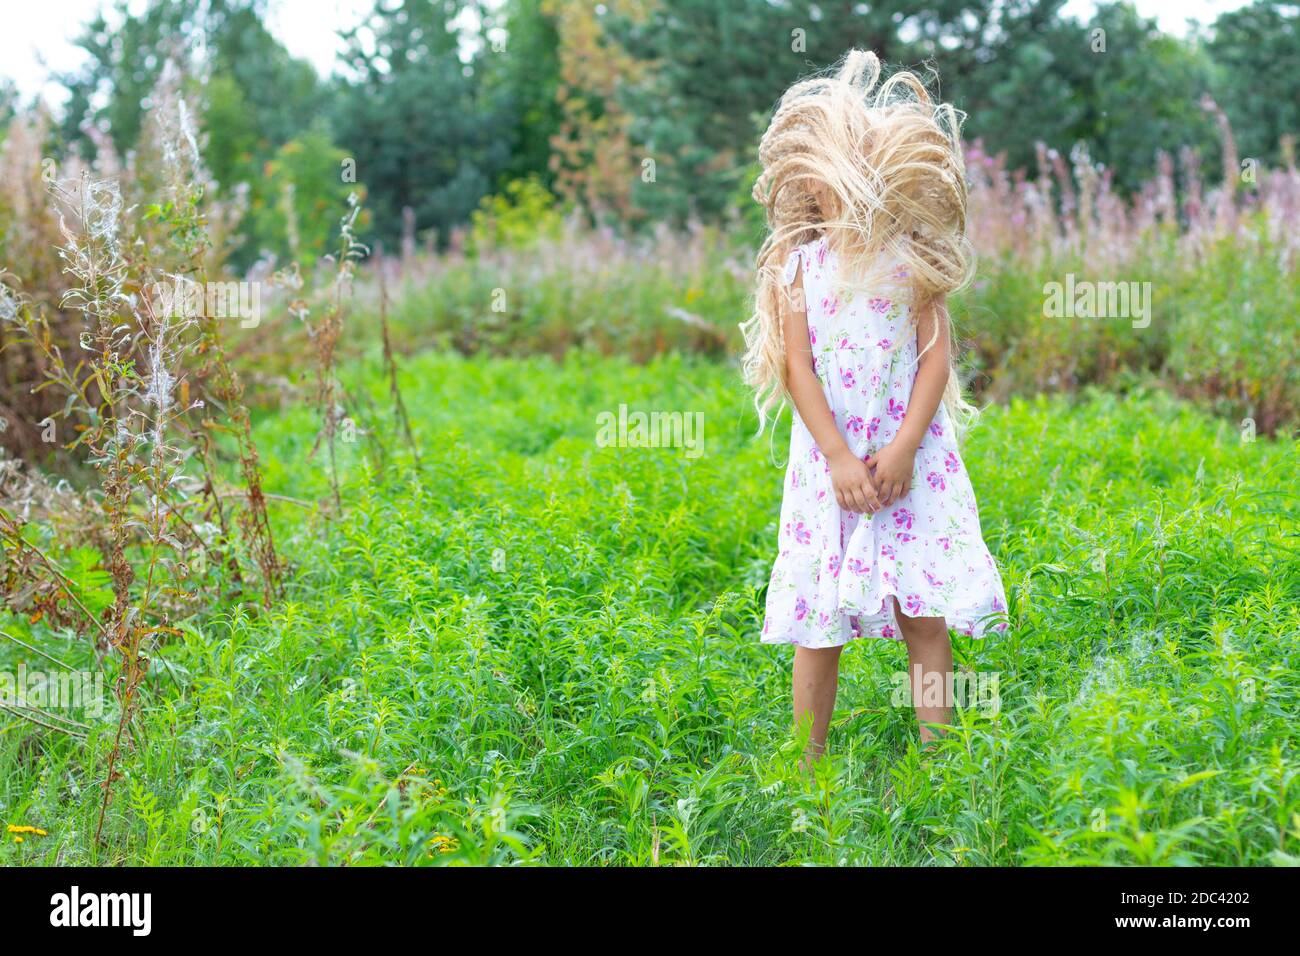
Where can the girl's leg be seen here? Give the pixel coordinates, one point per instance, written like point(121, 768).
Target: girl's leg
point(816, 674)
point(929, 660)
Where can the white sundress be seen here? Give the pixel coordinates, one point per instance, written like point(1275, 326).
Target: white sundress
point(837, 572)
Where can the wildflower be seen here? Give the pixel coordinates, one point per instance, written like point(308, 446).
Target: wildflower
point(444, 844)
point(32, 831)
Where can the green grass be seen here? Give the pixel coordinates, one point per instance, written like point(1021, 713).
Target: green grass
point(541, 650)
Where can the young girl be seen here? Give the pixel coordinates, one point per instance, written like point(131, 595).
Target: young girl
point(865, 194)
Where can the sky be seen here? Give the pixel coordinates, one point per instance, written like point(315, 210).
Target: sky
point(38, 37)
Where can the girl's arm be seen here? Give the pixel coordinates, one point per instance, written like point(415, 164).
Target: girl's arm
point(850, 476)
point(893, 466)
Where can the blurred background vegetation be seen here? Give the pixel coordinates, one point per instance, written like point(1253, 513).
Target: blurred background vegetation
point(444, 103)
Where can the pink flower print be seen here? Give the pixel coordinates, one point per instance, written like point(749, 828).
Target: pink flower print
point(875, 381)
point(858, 566)
point(888, 552)
point(824, 619)
point(945, 541)
point(812, 335)
point(903, 537)
point(794, 477)
point(830, 305)
point(800, 532)
point(998, 606)
point(896, 410)
point(951, 463)
point(936, 481)
point(845, 343)
point(914, 605)
point(934, 582)
point(821, 254)
point(936, 429)
point(854, 424)
point(903, 519)
point(815, 453)
point(846, 377)
point(884, 345)
point(873, 426)
point(887, 632)
point(879, 305)
point(888, 579)
point(800, 609)
point(833, 565)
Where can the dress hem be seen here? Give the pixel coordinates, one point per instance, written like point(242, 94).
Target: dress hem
point(968, 623)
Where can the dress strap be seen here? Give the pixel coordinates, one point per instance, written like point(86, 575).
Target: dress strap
point(792, 265)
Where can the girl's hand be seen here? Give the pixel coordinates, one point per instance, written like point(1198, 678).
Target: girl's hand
point(851, 478)
point(892, 470)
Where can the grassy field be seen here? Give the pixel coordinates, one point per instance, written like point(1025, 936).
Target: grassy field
point(540, 650)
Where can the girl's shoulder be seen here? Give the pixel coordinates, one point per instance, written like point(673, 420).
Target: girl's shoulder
point(812, 255)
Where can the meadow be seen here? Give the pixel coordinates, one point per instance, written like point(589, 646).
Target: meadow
point(361, 582)
point(532, 649)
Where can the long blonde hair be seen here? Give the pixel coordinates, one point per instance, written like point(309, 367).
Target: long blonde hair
point(875, 167)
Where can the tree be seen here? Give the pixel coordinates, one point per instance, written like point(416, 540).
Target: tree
point(278, 94)
point(1256, 62)
point(279, 97)
point(299, 198)
point(522, 72)
point(719, 69)
point(422, 126)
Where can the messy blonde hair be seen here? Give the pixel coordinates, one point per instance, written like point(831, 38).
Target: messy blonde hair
point(877, 168)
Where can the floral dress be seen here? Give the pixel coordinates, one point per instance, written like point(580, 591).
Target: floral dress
point(838, 572)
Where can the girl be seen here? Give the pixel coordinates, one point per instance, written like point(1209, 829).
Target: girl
point(879, 536)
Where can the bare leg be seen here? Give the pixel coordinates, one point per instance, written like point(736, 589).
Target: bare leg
point(929, 659)
point(816, 676)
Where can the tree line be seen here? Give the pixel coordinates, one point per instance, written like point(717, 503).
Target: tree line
point(646, 111)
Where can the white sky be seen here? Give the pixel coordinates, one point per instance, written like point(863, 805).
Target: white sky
point(38, 35)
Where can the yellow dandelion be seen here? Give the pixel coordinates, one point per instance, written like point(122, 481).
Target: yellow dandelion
point(35, 831)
